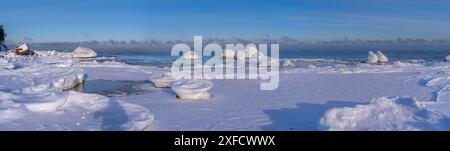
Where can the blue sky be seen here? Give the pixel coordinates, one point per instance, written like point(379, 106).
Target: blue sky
point(83, 20)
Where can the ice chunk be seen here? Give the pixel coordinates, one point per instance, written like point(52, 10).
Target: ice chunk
point(373, 58)
point(288, 63)
point(82, 52)
point(69, 81)
point(192, 89)
point(382, 59)
point(228, 54)
point(190, 55)
point(251, 51)
point(267, 60)
point(395, 113)
point(59, 80)
point(240, 55)
point(165, 81)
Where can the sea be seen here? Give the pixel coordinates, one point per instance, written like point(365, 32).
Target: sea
point(314, 56)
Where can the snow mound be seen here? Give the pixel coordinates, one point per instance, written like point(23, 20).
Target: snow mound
point(165, 81)
point(82, 52)
point(447, 58)
point(372, 58)
point(384, 114)
point(192, 89)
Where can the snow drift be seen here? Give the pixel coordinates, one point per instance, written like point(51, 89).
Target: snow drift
point(385, 114)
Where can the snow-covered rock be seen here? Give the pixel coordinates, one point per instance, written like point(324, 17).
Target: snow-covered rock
point(82, 52)
point(288, 63)
point(22, 49)
point(228, 54)
point(192, 89)
point(382, 59)
point(372, 58)
point(394, 113)
point(164, 81)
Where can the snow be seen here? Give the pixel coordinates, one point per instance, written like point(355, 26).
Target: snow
point(317, 94)
point(373, 58)
point(385, 114)
point(82, 52)
point(192, 89)
point(447, 58)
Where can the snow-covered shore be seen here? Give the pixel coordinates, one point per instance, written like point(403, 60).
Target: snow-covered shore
point(397, 96)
